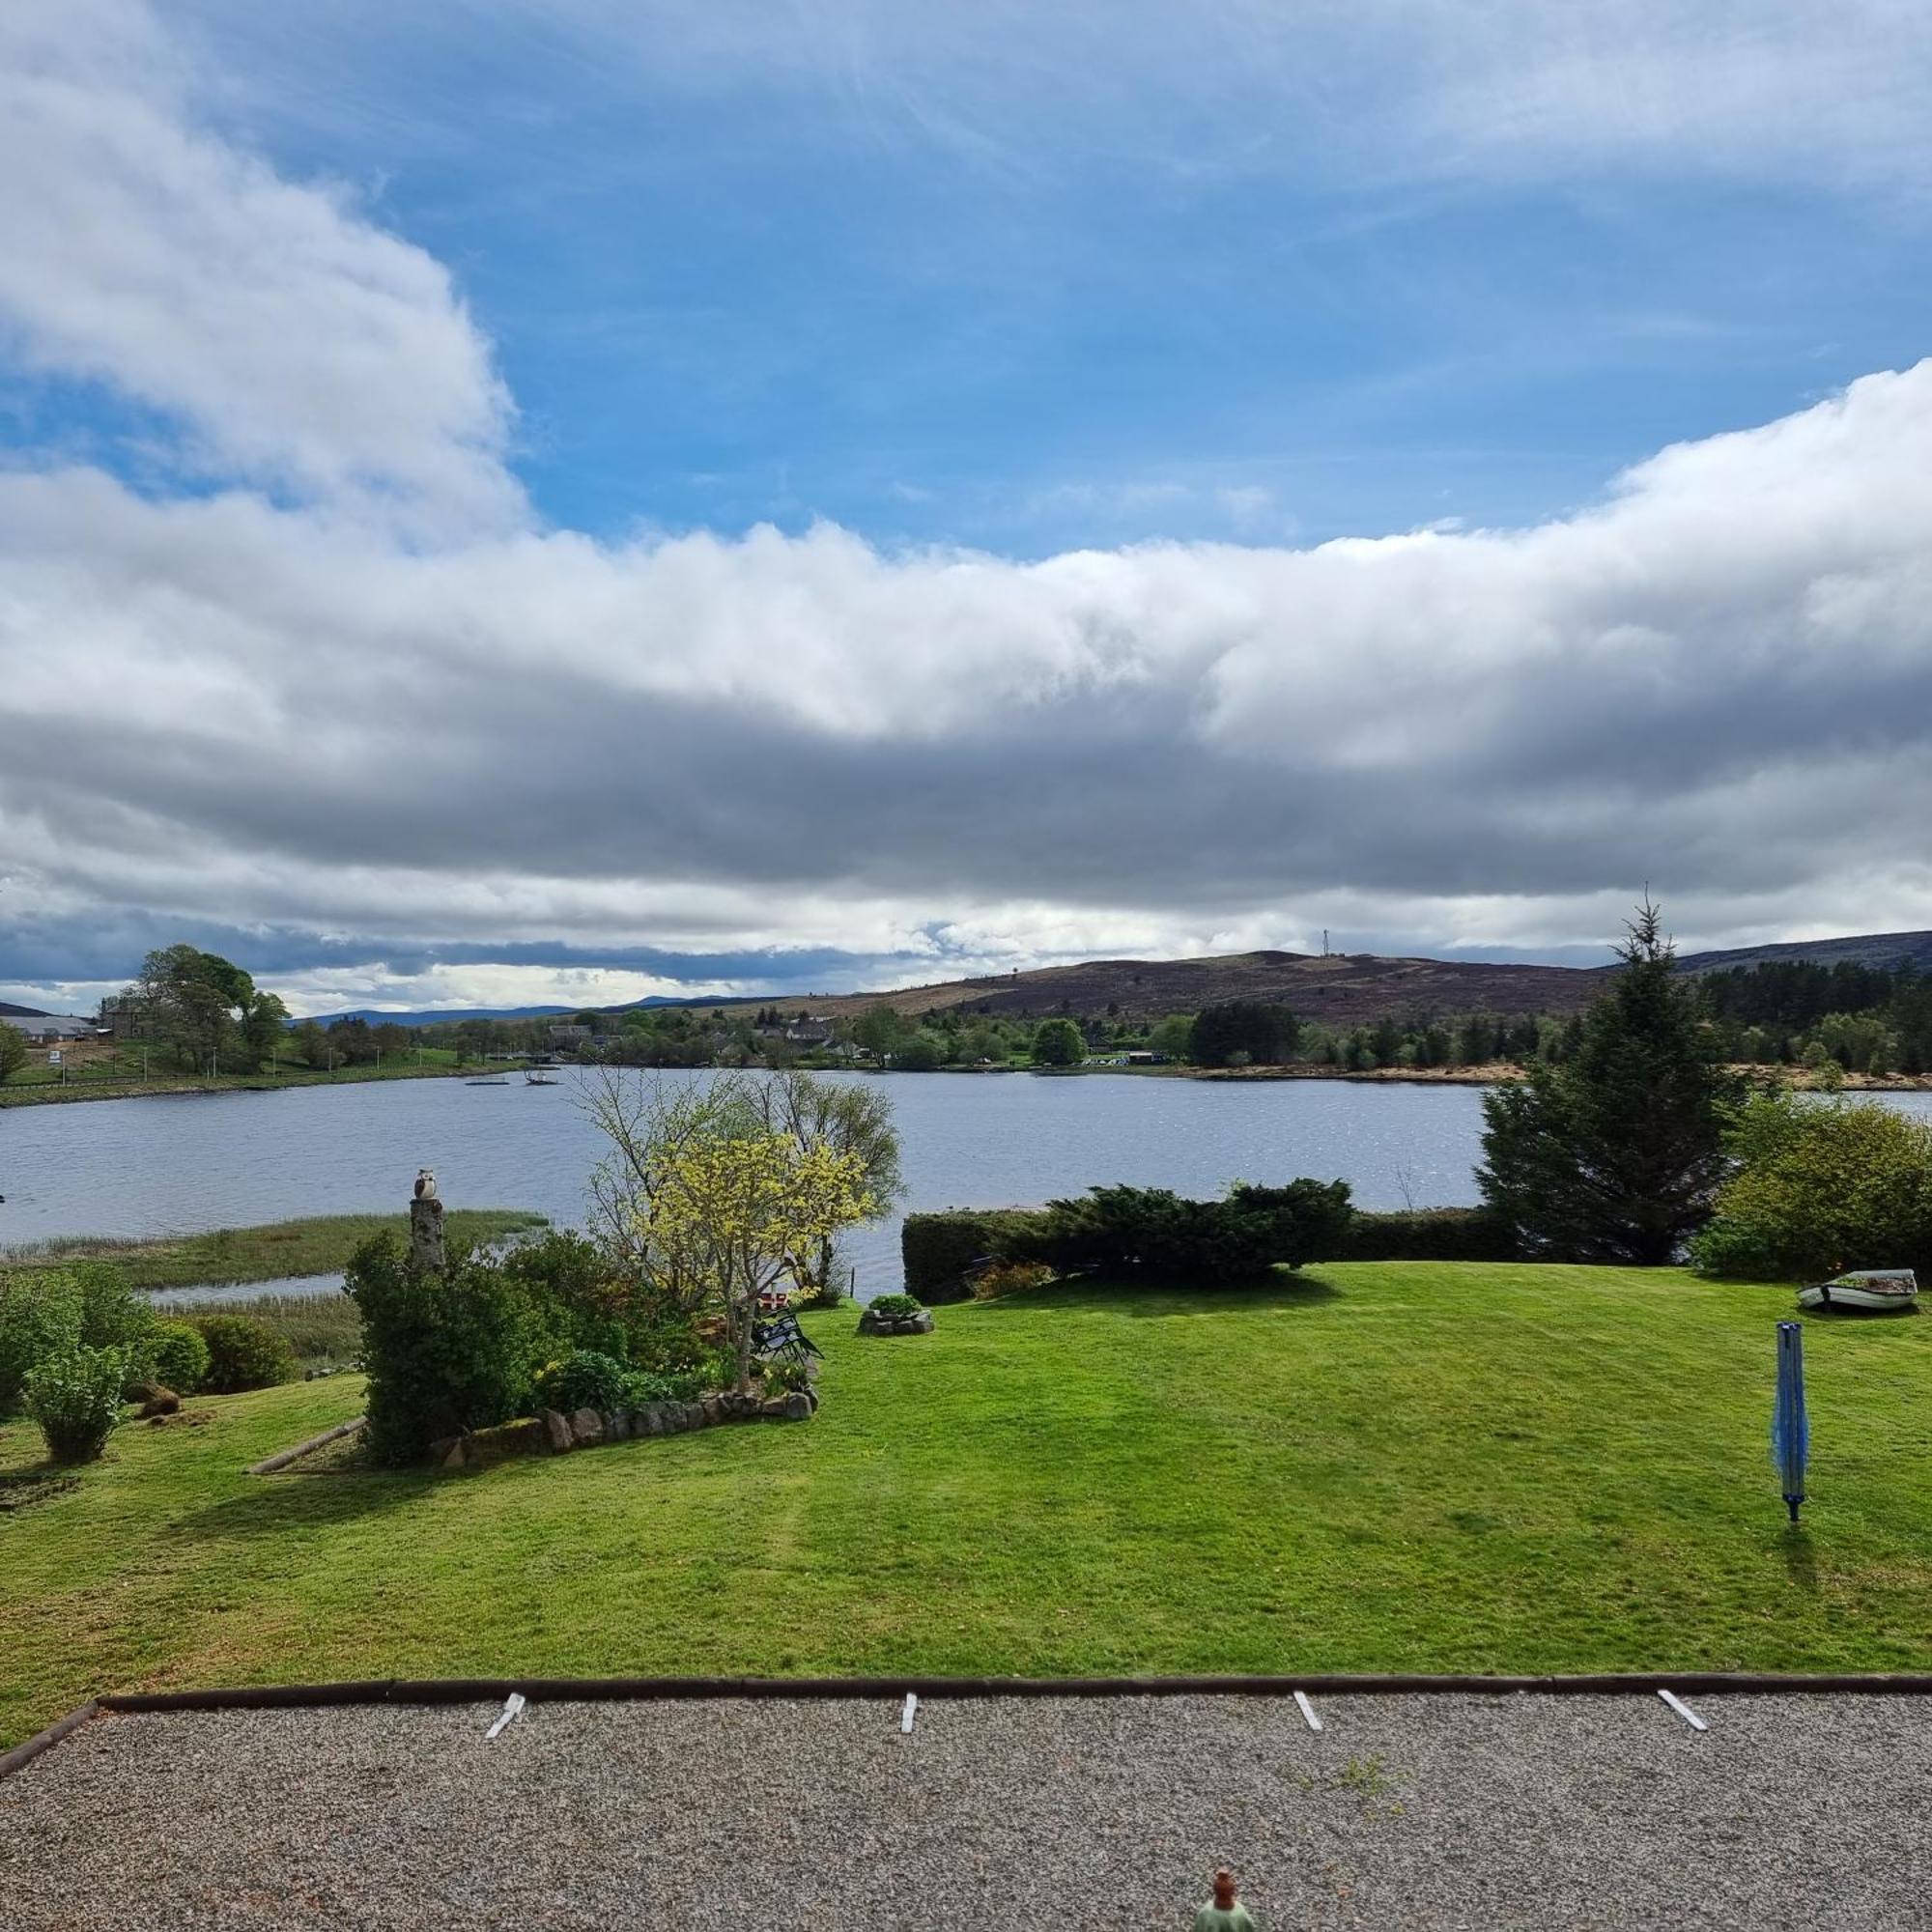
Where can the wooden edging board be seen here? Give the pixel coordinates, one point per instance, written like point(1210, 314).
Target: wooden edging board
point(622, 1690)
point(282, 1458)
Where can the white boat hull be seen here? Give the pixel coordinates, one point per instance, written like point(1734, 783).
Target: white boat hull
point(1873, 1290)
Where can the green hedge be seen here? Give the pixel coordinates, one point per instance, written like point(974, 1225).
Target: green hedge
point(937, 1249)
point(1160, 1235)
point(1428, 1235)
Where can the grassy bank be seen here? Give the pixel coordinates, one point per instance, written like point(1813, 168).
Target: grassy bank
point(120, 1079)
point(277, 1251)
point(1400, 1465)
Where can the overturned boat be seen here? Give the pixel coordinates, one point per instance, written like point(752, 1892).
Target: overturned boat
point(1885, 1288)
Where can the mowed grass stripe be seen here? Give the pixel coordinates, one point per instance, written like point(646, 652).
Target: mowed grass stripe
point(1418, 1467)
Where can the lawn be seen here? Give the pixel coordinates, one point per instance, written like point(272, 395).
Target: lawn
point(276, 1251)
point(1373, 1467)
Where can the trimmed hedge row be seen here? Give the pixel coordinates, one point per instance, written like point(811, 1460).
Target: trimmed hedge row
point(939, 1249)
point(1428, 1235)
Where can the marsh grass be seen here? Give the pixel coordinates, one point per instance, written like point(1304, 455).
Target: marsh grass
point(274, 1251)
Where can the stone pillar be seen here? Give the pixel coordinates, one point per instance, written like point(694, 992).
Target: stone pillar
point(426, 1222)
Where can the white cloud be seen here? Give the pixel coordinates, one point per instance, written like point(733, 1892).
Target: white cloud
point(297, 342)
point(1720, 679)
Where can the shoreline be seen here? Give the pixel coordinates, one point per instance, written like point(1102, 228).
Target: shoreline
point(53, 1094)
point(49, 1093)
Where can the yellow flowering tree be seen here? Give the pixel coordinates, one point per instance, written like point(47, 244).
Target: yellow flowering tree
point(649, 1125)
point(728, 1210)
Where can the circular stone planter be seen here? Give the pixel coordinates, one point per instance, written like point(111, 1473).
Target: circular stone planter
point(896, 1324)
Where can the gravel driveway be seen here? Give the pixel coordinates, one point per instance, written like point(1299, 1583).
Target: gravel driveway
point(1422, 1812)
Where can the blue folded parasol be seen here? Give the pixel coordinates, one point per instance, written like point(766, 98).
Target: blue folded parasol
point(1790, 1425)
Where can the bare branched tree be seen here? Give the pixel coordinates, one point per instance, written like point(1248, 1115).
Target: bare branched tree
point(650, 1122)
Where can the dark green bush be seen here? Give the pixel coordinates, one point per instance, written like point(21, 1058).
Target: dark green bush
point(897, 1305)
point(446, 1351)
point(243, 1354)
point(40, 1317)
point(567, 1286)
point(583, 1379)
point(1427, 1234)
point(75, 1397)
point(177, 1357)
point(1157, 1234)
point(939, 1250)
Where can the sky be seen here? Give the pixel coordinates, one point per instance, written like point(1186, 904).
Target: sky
point(565, 501)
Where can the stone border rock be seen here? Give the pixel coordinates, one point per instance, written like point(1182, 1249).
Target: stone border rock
point(896, 1324)
point(552, 1432)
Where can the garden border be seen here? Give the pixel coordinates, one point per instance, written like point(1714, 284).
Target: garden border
point(652, 1690)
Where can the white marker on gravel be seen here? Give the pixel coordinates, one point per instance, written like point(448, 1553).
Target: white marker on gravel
point(512, 1705)
point(1684, 1710)
point(1307, 1710)
point(911, 1710)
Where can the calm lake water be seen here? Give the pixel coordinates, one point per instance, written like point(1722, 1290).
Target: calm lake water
point(191, 1162)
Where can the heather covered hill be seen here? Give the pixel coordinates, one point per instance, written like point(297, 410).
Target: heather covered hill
point(1888, 949)
point(1337, 989)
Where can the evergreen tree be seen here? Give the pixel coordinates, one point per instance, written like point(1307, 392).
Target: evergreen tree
point(1265, 1033)
point(1614, 1154)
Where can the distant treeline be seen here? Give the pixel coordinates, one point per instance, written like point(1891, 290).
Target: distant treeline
point(206, 1014)
point(1862, 1019)
point(1866, 1018)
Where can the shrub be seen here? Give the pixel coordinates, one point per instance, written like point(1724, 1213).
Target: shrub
point(41, 1312)
point(75, 1397)
point(177, 1357)
point(678, 1352)
point(320, 1329)
point(939, 1250)
point(1427, 1234)
point(1818, 1187)
point(445, 1351)
point(569, 1291)
point(112, 1315)
point(1006, 1278)
point(1157, 1234)
point(897, 1306)
point(584, 1379)
point(645, 1385)
point(243, 1354)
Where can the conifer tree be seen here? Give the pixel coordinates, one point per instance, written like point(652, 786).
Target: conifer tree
point(1614, 1154)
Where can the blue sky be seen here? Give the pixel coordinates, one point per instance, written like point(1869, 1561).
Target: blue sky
point(724, 297)
point(392, 403)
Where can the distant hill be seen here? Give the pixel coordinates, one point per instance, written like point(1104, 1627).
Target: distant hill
point(1339, 989)
point(12, 1013)
point(456, 1016)
point(438, 1015)
point(1864, 948)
